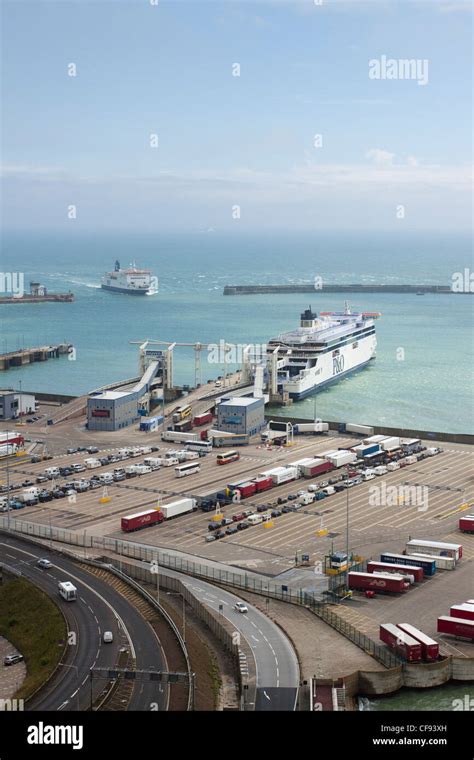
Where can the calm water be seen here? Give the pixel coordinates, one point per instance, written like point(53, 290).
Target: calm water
point(430, 388)
point(448, 697)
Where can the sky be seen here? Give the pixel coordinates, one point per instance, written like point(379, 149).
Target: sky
point(265, 115)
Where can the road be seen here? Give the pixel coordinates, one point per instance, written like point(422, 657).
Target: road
point(98, 608)
point(275, 660)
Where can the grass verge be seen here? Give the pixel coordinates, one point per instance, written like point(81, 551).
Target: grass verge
point(31, 621)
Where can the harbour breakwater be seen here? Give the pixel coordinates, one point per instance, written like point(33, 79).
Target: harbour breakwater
point(310, 287)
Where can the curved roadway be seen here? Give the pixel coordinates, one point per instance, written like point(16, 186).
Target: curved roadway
point(276, 663)
point(98, 608)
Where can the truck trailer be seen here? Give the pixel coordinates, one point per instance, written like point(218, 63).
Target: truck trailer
point(456, 626)
point(141, 520)
point(177, 508)
point(263, 482)
point(466, 524)
point(428, 565)
point(387, 567)
point(202, 419)
point(429, 647)
point(441, 548)
point(402, 643)
point(178, 436)
point(442, 563)
point(359, 429)
point(391, 583)
point(465, 611)
point(316, 467)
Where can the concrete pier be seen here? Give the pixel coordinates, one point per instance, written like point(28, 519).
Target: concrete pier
point(30, 355)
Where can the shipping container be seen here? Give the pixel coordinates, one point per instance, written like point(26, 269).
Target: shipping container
point(466, 524)
point(429, 566)
point(148, 424)
point(429, 647)
point(404, 645)
point(388, 567)
point(390, 443)
point(456, 627)
point(390, 582)
point(179, 507)
point(359, 429)
point(284, 475)
point(316, 467)
point(202, 419)
point(263, 483)
point(435, 547)
point(465, 611)
point(141, 520)
point(364, 449)
point(173, 435)
point(442, 563)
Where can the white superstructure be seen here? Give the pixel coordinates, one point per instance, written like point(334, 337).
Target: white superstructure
point(321, 351)
point(133, 281)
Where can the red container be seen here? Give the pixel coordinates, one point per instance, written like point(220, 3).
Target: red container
point(390, 583)
point(141, 520)
point(247, 489)
point(404, 645)
point(464, 611)
point(202, 419)
point(429, 647)
point(385, 567)
point(318, 469)
point(456, 626)
point(466, 524)
point(263, 483)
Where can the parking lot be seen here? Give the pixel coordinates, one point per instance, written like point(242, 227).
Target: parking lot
point(272, 549)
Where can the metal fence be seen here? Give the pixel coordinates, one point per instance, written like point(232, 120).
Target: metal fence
point(236, 579)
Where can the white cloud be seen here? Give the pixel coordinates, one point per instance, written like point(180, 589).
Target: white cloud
point(380, 157)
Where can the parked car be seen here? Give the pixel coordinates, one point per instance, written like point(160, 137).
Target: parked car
point(291, 496)
point(92, 450)
point(219, 534)
point(119, 476)
point(27, 483)
point(71, 451)
point(82, 448)
point(226, 521)
point(45, 496)
point(276, 512)
point(213, 526)
point(65, 472)
point(12, 659)
point(58, 493)
point(286, 509)
point(243, 525)
point(238, 517)
point(282, 500)
point(42, 479)
point(262, 508)
point(211, 537)
point(231, 529)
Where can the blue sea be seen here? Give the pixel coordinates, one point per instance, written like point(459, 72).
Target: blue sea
point(423, 374)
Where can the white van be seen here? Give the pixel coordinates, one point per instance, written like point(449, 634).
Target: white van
point(92, 463)
point(380, 470)
point(306, 498)
point(367, 475)
point(106, 477)
point(168, 461)
point(255, 519)
point(123, 452)
point(329, 490)
point(142, 469)
point(392, 466)
point(153, 462)
point(52, 472)
point(191, 455)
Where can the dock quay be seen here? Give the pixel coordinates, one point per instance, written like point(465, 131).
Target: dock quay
point(48, 298)
point(309, 287)
point(30, 355)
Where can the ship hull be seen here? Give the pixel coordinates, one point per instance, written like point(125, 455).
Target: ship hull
point(127, 291)
point(329, 369)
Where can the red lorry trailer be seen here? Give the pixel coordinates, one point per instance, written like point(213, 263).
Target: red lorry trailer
point(429, 647)
point(456, 626)
point(141, 520)
point(263, 483)
point(386, 567)
point(317, 467)
point(245, 489)
point(466, 524)
point(404, 645)
point(464, 611)
point(392, 583)
point(202, 419)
